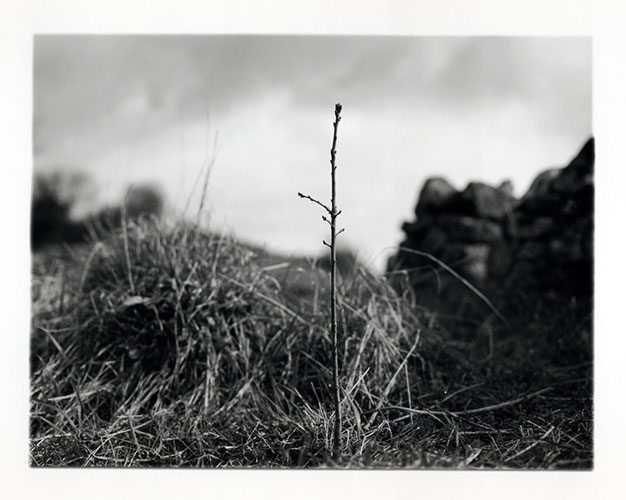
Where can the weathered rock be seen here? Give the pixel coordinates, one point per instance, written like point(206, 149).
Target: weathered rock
point(499, 260)
point(546, 205)
point(534, 247)
point(506, 187)
point(480, 200)
point(532, 228)
point(434, 194)
point(434, 241)
point(570, 183)
point(579, 173)
point(532, 250)
point(420, 227)
point(470, 260)
point(566, 251)
point(581, 202)
point(542, 185)
point(540, 199)
point(469, 229)
point(574, 242)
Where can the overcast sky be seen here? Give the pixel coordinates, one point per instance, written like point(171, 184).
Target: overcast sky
point(136, 109)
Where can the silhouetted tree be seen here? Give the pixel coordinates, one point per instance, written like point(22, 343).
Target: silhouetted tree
point(54, 195)
point(143, 200)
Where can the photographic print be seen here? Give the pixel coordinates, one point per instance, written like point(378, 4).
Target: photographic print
point(312, 251)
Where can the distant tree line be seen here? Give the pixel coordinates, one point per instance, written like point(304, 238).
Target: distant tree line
point(55, 195)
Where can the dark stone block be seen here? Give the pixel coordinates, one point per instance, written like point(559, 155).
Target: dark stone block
point(434, 241)
point(469, 260)
point(470, 229)
point(533, 250)
point(539, 245)
point(480, 200)
point(546, 205)
point(581, 203)
point(417, 229)
point(541, 199)
point(506, 187)
point(499, 260)
point(579, 171)
point(533, 228)
point(434, 194)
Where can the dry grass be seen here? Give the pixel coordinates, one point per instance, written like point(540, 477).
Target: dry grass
point(163, 346)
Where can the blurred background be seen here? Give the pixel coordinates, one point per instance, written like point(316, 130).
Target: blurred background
point(156, 111)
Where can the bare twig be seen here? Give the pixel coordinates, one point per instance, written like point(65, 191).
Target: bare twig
point(333, 212)
point(306, 196)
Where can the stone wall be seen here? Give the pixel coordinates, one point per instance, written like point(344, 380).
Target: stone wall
point(503, 245)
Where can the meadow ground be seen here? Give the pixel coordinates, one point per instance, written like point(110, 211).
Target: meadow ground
point(159, 345)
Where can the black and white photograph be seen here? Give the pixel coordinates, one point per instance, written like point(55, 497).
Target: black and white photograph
point(348, 249)
point(306, 251)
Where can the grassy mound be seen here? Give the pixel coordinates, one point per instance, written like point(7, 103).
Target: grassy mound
point(183, 333)
point(164, 346)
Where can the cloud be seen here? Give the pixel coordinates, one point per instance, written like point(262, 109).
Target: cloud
point(130, 109)
point(79, 81)
point(549, 76)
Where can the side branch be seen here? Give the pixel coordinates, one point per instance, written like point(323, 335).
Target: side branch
point(315, 201)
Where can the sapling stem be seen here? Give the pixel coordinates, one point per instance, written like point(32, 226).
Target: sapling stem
point(333, 213)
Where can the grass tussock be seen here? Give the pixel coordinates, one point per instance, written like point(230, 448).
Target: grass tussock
point(165, 346)
point(179, 332)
